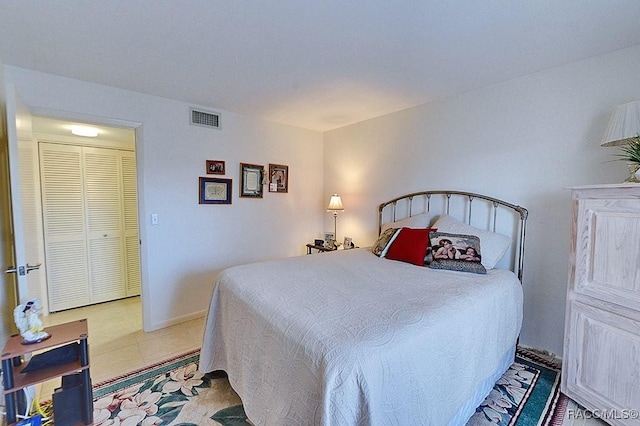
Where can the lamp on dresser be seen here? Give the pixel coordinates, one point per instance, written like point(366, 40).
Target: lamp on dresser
point(624, 132)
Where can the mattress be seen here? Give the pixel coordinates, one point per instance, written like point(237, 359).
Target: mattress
point(347, 338)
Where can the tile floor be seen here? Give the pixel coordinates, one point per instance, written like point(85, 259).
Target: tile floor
point(117, 345)
point(576, 416)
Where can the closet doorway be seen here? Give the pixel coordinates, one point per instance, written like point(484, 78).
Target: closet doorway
point(88, 189)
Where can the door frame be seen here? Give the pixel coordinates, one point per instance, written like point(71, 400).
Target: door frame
point(137, 127)
point(8, 285)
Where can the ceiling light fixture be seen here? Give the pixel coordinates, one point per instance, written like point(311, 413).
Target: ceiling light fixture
point(88, 132)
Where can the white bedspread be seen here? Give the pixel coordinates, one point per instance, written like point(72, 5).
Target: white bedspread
point(346, 338)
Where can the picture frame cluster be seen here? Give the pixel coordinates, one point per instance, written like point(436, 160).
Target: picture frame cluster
point(253, 179)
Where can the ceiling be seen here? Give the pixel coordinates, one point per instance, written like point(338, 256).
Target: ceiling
point(318, 64)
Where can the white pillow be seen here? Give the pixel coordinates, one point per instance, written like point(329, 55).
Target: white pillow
point(421, 220)
point(492, 244)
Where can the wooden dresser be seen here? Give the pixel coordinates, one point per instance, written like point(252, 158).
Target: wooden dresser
point(601, 360)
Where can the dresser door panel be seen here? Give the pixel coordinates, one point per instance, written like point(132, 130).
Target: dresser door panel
point(608, 251)
point(605, 347)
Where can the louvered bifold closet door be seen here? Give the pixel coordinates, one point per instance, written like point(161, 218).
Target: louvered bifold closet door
point(132, 241)
point(104, 223)
point(64, 219)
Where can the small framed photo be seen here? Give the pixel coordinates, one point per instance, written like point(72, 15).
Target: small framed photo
point(251, 180)
point(278, 178)
point(215, 190)
point(215, 167)
point(329, 239)
point(348, 243)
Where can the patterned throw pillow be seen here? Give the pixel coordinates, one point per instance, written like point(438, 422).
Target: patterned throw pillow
point(384, 242)
point(494, 245)
point(456, 252)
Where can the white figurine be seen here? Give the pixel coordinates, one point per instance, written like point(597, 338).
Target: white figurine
point(27, 318)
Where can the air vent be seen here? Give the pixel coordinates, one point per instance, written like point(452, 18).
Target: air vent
point(206, 119)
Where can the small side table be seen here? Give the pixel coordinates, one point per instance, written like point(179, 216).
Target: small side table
point(14, 380)
point(321, 249)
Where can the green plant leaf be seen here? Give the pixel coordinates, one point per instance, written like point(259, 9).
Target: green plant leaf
point(631, 151)
point(231, 416)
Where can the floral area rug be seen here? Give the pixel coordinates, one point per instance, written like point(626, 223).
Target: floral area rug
point(169, 393)
point(175, 393)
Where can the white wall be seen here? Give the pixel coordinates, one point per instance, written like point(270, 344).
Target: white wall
point(192, 242)
point(523, 141)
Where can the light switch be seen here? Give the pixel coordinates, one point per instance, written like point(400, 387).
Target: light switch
point(154, 218)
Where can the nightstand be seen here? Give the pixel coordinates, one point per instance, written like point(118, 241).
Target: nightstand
point(15, 380)
point(321, 249)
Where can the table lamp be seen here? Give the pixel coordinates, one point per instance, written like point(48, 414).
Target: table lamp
point(335, 206)
point(624, 131)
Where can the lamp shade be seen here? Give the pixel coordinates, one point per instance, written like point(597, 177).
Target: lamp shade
point(624, 124)
point(335, 204)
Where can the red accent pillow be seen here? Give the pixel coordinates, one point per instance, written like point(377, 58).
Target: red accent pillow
point(410, 245)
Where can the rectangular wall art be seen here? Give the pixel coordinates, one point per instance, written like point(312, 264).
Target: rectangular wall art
point(215, 190)
point(278, 178)
point(251, 180)
point(215, 167)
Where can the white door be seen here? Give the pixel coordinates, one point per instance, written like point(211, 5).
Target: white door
point(130, 221)
point(89, 206)
point(22, 158)
point(64, 226)
point(104, 223)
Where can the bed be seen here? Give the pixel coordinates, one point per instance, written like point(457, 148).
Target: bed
point(352, 338)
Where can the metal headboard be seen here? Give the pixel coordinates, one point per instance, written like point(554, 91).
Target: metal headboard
point(492, 208)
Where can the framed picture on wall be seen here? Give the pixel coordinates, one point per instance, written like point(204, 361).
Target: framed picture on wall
point(251, 180)
point(215, 190)
point(278, 178)
point(215, 167)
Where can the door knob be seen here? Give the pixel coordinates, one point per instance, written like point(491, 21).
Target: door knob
point(33, 267)
point(22, 270)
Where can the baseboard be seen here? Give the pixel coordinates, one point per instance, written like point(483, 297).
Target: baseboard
point(174, 321)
